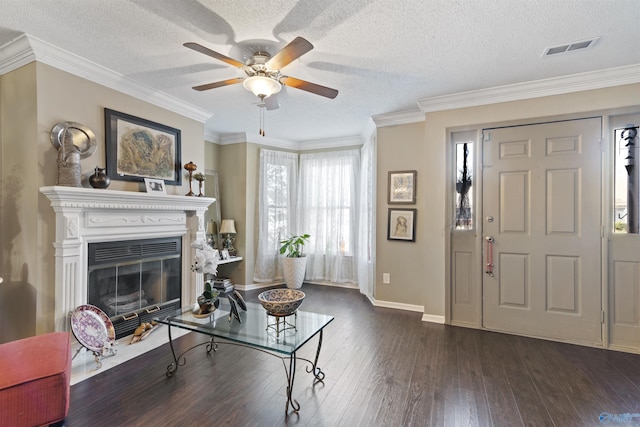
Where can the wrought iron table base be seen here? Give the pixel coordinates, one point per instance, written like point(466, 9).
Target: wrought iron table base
point(212, 345)
point(281, 324)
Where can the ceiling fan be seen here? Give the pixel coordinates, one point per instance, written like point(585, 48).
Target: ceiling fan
point(263, 71)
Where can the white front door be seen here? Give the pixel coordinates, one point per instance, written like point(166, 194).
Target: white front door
point(541, 206)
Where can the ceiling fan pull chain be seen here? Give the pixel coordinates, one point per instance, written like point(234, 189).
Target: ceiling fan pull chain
point(261, 121)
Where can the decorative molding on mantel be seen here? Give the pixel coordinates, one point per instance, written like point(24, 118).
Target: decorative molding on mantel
point(76, 197)
point(27, 48)
point(535, 89)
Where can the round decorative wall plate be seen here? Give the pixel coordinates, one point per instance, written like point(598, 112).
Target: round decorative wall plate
point(92, 327)
point(81, 136)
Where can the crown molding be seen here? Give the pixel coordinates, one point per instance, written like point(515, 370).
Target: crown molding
point(15, 54)
point(318, 144)
point(26, 49)
point(322, 144)
point(211, 136)
point(398, 118)
point(535, 89)
point(243, 137)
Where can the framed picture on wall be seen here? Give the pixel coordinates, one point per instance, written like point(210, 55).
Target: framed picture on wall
point(138, 148)
point(402, 188)
point(402, 225)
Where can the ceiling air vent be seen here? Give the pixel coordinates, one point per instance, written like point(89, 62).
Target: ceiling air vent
point(570, 47)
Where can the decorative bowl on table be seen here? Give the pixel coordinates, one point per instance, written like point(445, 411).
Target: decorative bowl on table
point(281, 302)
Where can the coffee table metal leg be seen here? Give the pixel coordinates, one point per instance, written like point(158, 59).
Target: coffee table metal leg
point(180, 360)
point(173, 367)
point(291, 377)
point(317, 372)
point(212, 346)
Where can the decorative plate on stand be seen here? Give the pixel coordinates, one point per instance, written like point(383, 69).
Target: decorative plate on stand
point(92, 327)
point(80, 135)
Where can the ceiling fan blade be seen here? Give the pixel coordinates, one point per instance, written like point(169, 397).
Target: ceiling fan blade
point(199, 48)
point(309, 87)
point(294, 50)
point(218, 84)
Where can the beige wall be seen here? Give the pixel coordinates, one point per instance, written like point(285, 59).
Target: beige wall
point(232, 176)
point(33, 99)
point(403, 148)
point(21, 294)
point(211, 164)
point(424, 147)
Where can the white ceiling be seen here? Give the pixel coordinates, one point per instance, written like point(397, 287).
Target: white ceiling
point(382, 55)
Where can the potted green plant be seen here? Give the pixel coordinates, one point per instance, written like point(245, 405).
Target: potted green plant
point(295, 261)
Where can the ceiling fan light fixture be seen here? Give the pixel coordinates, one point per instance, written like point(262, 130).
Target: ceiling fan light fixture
point(262, 86)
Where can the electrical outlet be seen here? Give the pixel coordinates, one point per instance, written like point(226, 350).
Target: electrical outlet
point(386, 278)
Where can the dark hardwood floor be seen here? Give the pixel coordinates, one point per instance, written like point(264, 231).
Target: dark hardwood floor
point(383, 367)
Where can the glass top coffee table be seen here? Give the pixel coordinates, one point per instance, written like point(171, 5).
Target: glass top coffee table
point(278, 336)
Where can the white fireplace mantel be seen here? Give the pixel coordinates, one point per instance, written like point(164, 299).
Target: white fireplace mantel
point(85, 215)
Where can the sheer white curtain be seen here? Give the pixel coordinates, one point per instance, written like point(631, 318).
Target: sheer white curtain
point(277, 210)
point(366, 248)
point(327, 210)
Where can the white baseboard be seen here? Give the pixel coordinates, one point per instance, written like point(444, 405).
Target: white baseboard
point(433, 318)
point(397, 305)
point(335, 285)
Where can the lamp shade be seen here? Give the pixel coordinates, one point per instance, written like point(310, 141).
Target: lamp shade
point(262, 86)
point(228, 227)
point(212, 227)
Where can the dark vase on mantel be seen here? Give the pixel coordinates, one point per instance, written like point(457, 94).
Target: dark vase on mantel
point(99, 179)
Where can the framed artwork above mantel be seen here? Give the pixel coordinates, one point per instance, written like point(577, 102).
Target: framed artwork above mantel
point(137, 148)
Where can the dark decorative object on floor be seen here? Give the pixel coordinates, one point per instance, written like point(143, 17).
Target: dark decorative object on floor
point(99, 179)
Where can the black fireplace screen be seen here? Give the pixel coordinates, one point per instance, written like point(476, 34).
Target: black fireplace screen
point(129, 277)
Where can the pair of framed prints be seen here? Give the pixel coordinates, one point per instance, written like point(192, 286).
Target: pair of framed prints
point(402, 191)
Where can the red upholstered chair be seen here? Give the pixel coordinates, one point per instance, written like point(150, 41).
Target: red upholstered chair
point(35, 375)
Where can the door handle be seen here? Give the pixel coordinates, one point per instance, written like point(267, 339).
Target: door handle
point(489, 253)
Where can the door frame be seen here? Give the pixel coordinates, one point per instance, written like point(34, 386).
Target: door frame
point(605, 214)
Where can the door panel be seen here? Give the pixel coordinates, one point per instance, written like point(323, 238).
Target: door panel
point(541, 186)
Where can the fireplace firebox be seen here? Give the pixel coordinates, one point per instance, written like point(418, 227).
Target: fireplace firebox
point(135, 280)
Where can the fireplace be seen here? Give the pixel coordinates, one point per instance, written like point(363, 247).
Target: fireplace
point(93, 226)
point(134, 280)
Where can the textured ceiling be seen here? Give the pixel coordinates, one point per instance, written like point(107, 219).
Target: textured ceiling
point(383, 56)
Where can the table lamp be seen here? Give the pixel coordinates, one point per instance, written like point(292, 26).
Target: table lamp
point(212, 232)
point(228, 228)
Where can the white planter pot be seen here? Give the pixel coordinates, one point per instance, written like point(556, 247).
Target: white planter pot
point(293, 270)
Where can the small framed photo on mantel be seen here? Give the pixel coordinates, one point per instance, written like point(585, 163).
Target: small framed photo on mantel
point(402, 188)
point(155, 186)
